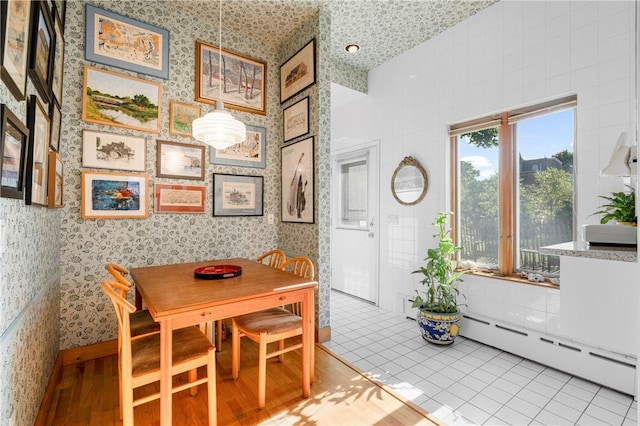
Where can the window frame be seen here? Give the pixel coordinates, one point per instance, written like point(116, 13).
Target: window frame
point(507, 176)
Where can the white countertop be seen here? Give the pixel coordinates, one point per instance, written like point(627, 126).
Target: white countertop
point(583, 249)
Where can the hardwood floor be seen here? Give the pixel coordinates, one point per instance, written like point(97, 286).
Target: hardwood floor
point(87, 394)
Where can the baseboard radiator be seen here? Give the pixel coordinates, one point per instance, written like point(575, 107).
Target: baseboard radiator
point(607, 368)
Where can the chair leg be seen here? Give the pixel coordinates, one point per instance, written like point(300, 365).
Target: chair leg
point(262, 370)
point(281, 347)
point(193, 376)
point(211, 389)
point(235, 351)
point(127, 407)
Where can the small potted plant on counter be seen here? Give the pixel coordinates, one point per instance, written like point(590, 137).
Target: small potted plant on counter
point(438, 313)
point(621, 207)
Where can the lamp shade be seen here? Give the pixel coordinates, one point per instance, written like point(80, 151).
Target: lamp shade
point(620, 163)
point(219, 129)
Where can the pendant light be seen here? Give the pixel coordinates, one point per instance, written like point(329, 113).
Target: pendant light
point(218, 128)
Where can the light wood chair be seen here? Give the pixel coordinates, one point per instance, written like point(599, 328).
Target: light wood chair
point(271, 325)
point(274, 258)
point(139, 359)
point(142, 323)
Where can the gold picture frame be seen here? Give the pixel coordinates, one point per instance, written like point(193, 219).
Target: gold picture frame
point(114, 195)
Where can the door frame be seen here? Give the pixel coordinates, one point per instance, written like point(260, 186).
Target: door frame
point(354, 151)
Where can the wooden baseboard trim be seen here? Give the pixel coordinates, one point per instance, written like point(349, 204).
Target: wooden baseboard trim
point(85, 353)
point(54, 379)
point(323, 334)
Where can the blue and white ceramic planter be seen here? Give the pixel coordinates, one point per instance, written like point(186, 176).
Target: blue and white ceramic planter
point(437, 328)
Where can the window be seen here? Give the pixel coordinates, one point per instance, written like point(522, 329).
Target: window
point(353, 193)
point(514, 187)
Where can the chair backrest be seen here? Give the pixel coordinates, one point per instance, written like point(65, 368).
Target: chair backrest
point(275, 258)
point(119, 273)
point(302, 267)
point(123, 309)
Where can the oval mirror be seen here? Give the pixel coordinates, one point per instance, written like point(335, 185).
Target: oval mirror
point(409, 182)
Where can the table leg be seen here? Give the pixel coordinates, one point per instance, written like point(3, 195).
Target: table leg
point(166, 335)
point(138, 300)
point(307, 339)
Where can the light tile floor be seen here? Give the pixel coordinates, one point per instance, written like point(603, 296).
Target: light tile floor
point(467, 382)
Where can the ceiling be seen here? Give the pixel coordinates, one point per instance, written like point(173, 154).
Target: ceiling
point(383, 28)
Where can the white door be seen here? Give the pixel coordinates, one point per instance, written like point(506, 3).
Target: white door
point(354, 222)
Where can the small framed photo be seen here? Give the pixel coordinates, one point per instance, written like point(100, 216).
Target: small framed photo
point(101, 150)
point(244, 79)
point(181, 117)
point(250, 153)
point(296, 119)
point(298, 72)
point(15, 20)
point(13, 153)
point(114, 195)
point(58, 56)
point(179, 198)
point(237, 195)
point(297, 182)
point(120, 100)
point(180, 160)
point(56, 125)
point(38, 153)
point(126, 43)
point(56, 180)
point(42, 45)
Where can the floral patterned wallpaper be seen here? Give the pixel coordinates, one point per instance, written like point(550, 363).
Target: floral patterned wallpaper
point(29, 297)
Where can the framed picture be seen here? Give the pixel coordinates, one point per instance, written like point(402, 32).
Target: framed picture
point(37, 153)
point(296, 119)
point(56, 125)
point(180, 160)
point(60, 10)
point(102, 150)
point(15, 17)
point(237, 195)
point(13, 152)
point(298, 72)
point(250, 153)
point(121, 101)
point(56, 180)
point(58, 58)
point(181, 117)
point(42, 45)
point(126, 43)
point(244, 79)
point(179, 198)
point(297, 182)
point(114, 195)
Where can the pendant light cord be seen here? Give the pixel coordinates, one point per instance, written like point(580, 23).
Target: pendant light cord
point(220, 52)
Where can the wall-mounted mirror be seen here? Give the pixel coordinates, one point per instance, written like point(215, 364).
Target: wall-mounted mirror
point(409, 182)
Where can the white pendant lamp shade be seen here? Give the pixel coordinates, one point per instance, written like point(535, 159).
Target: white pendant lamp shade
point(219, 129)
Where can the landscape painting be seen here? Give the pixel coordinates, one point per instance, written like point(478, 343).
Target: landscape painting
point(112, 151)
point(120, 101)
point(243, 79)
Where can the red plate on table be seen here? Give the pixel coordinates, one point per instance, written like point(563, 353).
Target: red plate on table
point(217, 272)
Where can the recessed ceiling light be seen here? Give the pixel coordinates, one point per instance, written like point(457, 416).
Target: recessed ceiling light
point(352, 47)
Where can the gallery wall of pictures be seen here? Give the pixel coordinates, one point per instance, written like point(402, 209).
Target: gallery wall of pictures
point(32, 50)
point(112, 98)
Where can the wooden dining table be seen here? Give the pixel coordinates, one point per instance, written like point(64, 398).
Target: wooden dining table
point(176, 298)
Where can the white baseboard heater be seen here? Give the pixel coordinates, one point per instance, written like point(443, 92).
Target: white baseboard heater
point(607, 368)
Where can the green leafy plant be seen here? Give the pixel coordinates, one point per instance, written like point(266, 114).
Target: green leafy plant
point(621, 207)
point(440, 275)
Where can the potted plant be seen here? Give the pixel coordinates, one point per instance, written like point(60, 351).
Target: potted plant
point(621, 207)
point(438, 315)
